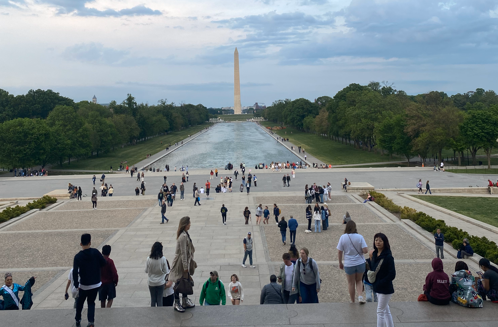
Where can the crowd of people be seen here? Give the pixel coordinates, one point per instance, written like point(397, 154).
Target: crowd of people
point(28, 172)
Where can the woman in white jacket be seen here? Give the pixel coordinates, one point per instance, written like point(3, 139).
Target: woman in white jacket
point(236, 293)
point(156, 267)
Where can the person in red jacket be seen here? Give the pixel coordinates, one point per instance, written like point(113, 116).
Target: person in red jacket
point(437, 284)
point(109, 278)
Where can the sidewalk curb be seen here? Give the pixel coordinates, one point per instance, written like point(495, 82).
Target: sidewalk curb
point(16, 219)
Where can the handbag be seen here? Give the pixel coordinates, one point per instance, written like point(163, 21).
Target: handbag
point(192, 266)
point(184, 285)
point(372, 275)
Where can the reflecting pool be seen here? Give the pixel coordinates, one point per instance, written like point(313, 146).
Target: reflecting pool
point(228, 142)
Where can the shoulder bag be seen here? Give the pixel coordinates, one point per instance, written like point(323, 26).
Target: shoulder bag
point(184, 285)
point(357, 250)
point(372, 275)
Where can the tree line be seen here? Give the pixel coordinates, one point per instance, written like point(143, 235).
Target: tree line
point(43, 127)
point(377, 117)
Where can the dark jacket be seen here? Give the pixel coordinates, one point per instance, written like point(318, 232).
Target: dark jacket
point(468, 249)
point(108, 273)
point(439, 239)
point(276, 211)
point(437, 283)
point(271, 294)
point(282, 224)
point(88, 262)
point(224, 210)
point(160, 196)
point(163, 208)
point(387, 272)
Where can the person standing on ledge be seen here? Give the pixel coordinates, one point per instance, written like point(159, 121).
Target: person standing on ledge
point(439, 238)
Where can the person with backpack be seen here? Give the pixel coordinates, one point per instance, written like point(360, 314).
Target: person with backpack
point(247, 215)
point(306, 278)
point(213, 291)
point(224, 211)
point(276, 212)
point(272, 293)
point(353, 246)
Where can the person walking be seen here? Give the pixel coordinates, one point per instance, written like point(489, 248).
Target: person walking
point(86, 278)
point(285, 278)
point(306, 278)
point(194, 188)
point(271, 293)
point(197, 197)
point(427, 188)
point(293, 224)
point(224, 211)
point(236, 292)
point(94, 200)
point(142, 187)
point(283, 228)
point(248, 188)
point(419, 186)
point(183, 263)
point(317, 217)
point(309, 215)
point(266, 215)
point(284, 180)
point(276, 212)
point(109, 277)
point(259, 213)
point(248, 246)
point(163, 212)
point(208, 187)
point(93, 179)
point(439, 240)
point(211, 175)
point(288, 180)
point(156, 268)
point(385, 272)
point(247, 215)
point(213, 291)
point(353, 247)
point(255, 179)
point(182, 191)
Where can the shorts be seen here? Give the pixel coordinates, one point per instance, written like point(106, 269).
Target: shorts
point(107, 292)
point(359, 269)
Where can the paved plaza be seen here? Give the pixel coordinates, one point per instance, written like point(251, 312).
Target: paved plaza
point(44, 243)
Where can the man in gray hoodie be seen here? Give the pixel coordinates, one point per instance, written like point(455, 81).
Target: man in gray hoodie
point(272, 293)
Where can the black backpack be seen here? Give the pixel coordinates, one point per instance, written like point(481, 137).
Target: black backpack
point(310, 260)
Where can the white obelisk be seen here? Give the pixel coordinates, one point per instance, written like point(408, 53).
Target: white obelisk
point(237, 109)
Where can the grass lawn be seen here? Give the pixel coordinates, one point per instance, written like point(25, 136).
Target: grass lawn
point(474, 171)
point(482, 209)
point(327, 150)
point(235, 117)
point(132, 154)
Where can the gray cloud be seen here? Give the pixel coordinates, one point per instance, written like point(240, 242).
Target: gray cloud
point(198, 87)
point(95, 53)
point(77, 7)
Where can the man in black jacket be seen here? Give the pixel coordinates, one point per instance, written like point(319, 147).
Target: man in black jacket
point(87, 264)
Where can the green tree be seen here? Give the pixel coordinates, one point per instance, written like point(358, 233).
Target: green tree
point(480, 130)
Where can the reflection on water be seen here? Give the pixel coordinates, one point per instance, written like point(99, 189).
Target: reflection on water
point(228, 142)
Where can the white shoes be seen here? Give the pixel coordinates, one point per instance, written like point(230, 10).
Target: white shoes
point(361, 300)
point(243, 265)
point(253, 266)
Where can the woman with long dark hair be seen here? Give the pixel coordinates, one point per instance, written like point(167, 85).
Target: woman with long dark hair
point(156, 267)
point(184, 263)
point(487, 285)
point(383, 264)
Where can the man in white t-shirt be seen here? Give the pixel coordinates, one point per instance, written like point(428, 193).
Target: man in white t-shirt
point(285, 278)
point(353, 246)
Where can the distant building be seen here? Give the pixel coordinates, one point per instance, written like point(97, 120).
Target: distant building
point(94, 99)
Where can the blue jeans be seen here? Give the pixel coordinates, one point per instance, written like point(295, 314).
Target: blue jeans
point(308, 293)
point(247, 253)
point(182, 195)
point(244, 183)
point(369, 292)
point(321, 198)
point(160, 201)
point(292, 236)
point(284, 233)
point(318, 224)
point(428, 190)
point(163, 217)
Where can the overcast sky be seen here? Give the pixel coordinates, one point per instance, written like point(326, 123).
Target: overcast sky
point(182, 50)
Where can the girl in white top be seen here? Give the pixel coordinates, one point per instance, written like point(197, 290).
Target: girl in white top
point(157, 268)
point(353, 246)
point(236, 293)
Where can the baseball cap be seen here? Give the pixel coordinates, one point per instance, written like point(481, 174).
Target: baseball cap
point(249, 233)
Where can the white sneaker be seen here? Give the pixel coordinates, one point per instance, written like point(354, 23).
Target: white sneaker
point(243, 265)
point(276, 223)
point(253, 266)
point(361, 300)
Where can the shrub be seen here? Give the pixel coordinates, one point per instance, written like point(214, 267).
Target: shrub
point(453, 235)
point(12, 212)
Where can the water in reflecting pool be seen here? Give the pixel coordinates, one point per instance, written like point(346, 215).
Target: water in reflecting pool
point(228, 142)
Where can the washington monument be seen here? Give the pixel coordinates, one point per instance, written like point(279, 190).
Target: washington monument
point(237, 110)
